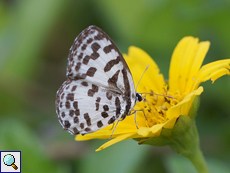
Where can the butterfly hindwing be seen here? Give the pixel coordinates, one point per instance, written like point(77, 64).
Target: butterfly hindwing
point(85, 107)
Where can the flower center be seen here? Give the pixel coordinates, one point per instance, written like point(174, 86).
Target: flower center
point(155, 106)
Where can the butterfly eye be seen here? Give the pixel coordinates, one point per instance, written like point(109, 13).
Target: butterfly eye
point(138, 97)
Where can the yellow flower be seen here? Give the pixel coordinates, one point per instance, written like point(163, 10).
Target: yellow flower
point(185, 76)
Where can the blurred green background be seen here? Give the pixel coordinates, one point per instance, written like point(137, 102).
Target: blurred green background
point(35, 37)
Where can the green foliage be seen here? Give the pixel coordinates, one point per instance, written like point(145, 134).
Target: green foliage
point(16, 136)
point(35, 37)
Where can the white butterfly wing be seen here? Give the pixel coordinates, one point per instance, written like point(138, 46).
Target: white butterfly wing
point(96, 71)
point(79, 113)
point(94, 57)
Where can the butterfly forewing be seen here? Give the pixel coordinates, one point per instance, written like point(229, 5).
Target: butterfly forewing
point(99, 89)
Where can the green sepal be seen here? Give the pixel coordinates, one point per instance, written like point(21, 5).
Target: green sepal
point(159, 141)
point(193, 110)
point(183, 138)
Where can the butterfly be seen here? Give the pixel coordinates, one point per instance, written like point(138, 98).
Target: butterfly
point(99, 89)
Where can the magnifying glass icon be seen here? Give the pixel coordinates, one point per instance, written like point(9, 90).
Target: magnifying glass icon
point(9, 160)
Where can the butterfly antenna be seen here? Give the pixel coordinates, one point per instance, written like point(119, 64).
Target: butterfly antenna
point(164, 95)
point(142, 76)
point(159, 95)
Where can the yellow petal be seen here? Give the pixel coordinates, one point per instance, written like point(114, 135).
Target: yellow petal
point(143, 131)
point(217, 74)
point(106, 133)
point(100, 134)
point(125, 126)
point(196, 64)
point(156, 129)
point(212, 70)
point(115, 140)
point(150, 132)
point(184, 106)
point(185, 63)
point(138, 60)
point(176, 63)
point(209, 65)
point(170, 123)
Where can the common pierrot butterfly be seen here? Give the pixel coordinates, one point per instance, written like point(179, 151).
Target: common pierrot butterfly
point(99, 89)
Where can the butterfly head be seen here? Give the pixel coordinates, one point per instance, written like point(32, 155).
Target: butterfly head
point(138, 97)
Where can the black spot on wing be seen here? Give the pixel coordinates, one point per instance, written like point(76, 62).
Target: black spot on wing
point(77, 112)
point(92, 91)
point(108, 48)
point(80, 56)
point(67, 104)
point(97, 103)
point(70, 96)
point(95, 47)
point(113, 80)
point(75, 105)
point(76, 120)
point(128, 106)
point(87, 129)
point(78, 66)
point(82, 125)
point(67, 124)
point(83, 47)
point(127, 92)
point(75, 131)
point(111, 120)
point(73, 88)
point(99, 124)
point(111, 63)
point(106, 107)
point(118, 106)
point(86, 59)
point(71, 113)
point(89, 40)
point(104, 115)
point(84, 84)
point(91, 71)
point(87, 118)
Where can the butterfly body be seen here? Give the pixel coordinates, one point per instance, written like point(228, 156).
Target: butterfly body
point(99, 89)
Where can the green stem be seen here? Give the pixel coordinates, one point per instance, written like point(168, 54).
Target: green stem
point(185, 141)
point(198, 161)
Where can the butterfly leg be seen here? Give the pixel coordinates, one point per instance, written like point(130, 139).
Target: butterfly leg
point(136, 118)
point(135, 111)
point(144, 114)
point(112, 126)
point(114, 130)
